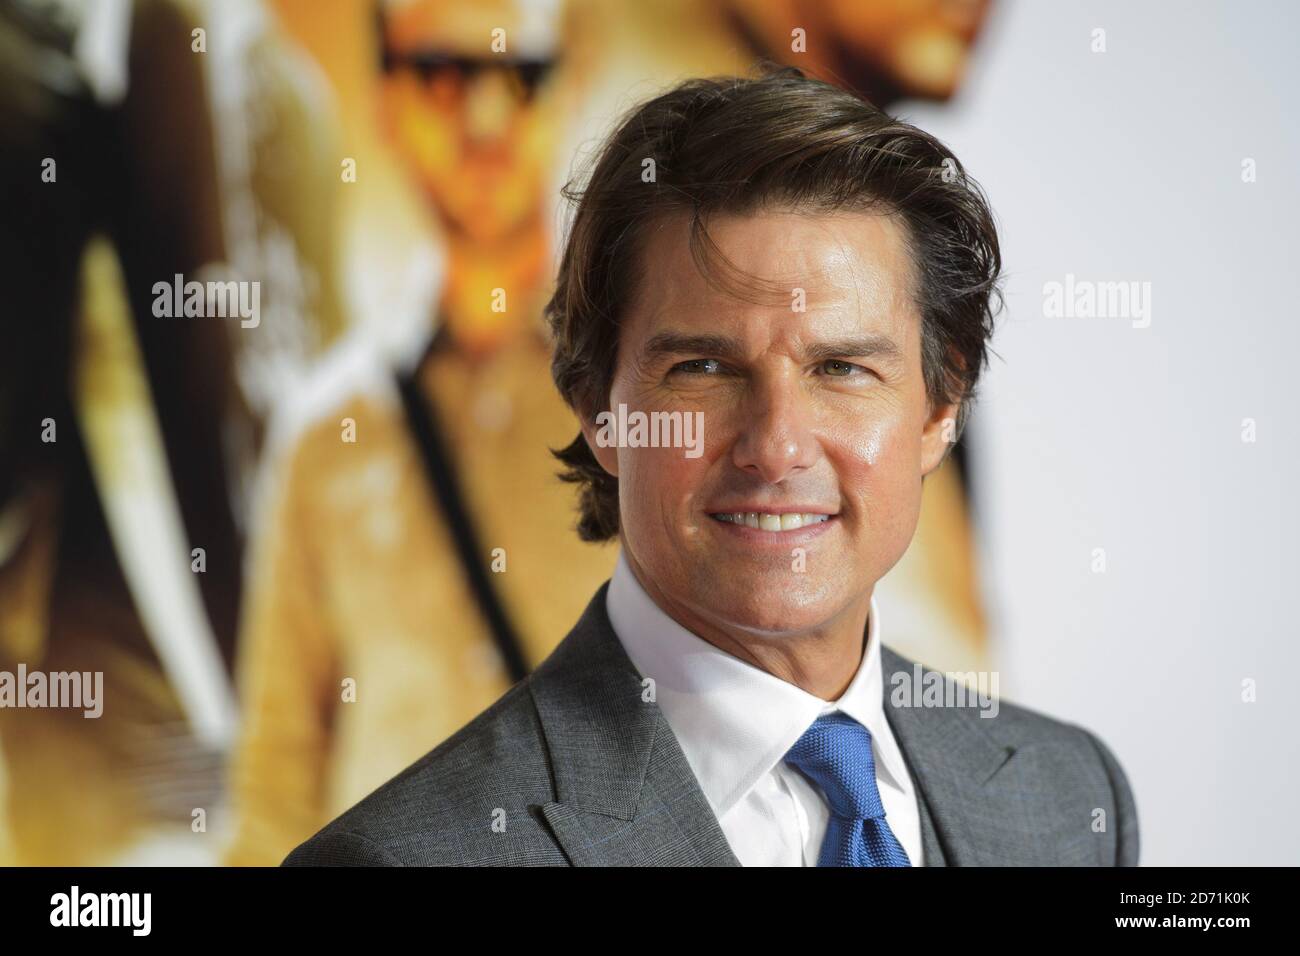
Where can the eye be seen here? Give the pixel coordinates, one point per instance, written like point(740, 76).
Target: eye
point(838, 369)
point(697, 366)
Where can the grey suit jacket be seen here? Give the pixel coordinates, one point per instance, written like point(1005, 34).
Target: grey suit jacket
point(572, 767)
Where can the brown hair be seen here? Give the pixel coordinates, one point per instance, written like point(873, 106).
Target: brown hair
point(736, 145)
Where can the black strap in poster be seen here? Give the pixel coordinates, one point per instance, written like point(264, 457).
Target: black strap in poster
point(441, 473)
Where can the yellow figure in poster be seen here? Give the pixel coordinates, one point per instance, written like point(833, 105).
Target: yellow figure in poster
point(363, 642)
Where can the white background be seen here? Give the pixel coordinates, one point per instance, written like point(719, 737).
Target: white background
point(1126, 166)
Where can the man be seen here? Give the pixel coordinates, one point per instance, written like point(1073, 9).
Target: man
point(814, 281)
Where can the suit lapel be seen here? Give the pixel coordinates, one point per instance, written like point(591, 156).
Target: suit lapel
point(931, 848)
point(624, 792)
point(971, 785)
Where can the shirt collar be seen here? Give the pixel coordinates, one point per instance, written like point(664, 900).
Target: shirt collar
point(735, 721)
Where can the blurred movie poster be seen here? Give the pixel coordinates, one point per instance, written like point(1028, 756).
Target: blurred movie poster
point(274, 533)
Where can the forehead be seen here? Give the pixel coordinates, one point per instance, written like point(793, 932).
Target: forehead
point(855, 267)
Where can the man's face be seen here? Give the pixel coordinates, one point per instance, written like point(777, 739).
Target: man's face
point(821, 410)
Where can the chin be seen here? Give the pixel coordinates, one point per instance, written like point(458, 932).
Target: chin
point(762, 610)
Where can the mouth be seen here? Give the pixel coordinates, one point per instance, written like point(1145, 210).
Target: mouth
point(772, 521)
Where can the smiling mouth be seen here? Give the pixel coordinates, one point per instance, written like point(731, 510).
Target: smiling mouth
point(770, 522)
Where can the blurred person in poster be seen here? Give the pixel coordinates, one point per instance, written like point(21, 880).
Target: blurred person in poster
point(339, 513)
point(416, 554)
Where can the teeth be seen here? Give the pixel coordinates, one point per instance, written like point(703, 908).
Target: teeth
point(771, 522)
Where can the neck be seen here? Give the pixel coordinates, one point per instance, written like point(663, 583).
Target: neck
point(476, 320)
point(821, 660)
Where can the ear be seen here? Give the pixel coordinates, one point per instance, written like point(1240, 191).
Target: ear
point(940, 431)
point(938, 436)
point(597, 431)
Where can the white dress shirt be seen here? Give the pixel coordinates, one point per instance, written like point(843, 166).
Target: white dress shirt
point(735, 723)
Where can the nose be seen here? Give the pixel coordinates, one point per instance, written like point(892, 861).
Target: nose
point(488, 107)
point(777, 438)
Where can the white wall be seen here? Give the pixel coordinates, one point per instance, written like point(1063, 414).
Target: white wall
point(1126, 165)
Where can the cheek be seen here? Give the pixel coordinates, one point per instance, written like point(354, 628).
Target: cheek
point(879, 468)
point(662, 475)
point(874, 444)
point(423, 141)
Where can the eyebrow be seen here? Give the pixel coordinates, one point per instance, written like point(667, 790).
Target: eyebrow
point(719, 346)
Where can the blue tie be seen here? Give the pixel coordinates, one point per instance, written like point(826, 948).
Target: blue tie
point(835, 753)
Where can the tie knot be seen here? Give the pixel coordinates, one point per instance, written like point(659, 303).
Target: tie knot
point(835, 753)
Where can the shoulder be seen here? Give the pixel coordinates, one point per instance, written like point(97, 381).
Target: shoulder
point(974, 696)
point(351, 380)
point(338, 440)
point(1081, 769)
point(472, 800)
point(1067, 763)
